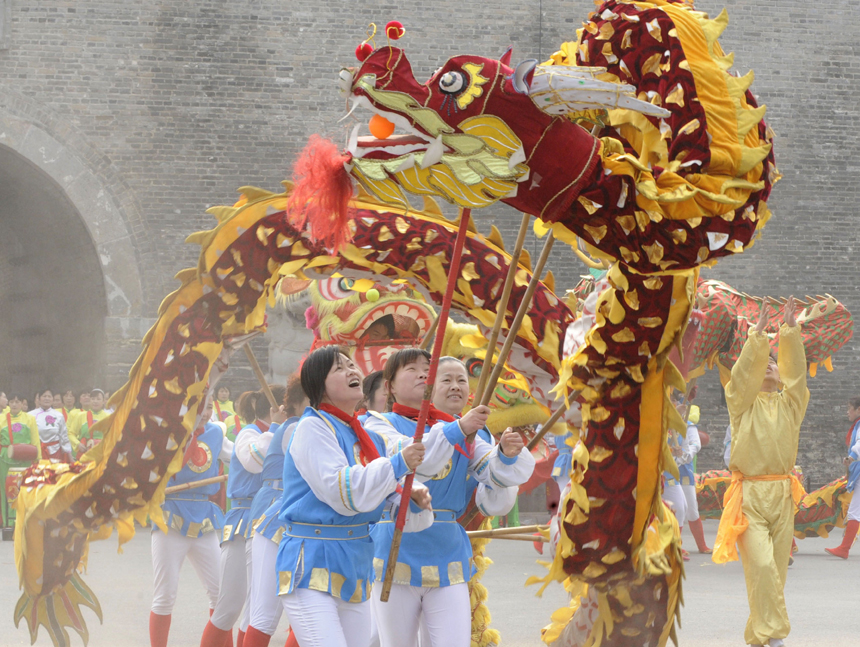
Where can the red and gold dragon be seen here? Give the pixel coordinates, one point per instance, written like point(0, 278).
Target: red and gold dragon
point(674, 174)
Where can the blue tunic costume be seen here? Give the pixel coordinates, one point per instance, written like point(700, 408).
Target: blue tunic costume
point(324, 548)
point(267, 502)
point(241, 488)
point(441, 554)
point(190, 512)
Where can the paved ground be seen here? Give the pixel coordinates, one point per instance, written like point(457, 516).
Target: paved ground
point(822, 595)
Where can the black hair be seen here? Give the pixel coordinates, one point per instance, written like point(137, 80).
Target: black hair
point(44, 391)
point(855, 402)
point(254, 405)
point(388, 322)
point(223, 386)
point(294, 395)
point(315, 370)
point(371, 385)
point(15, 395)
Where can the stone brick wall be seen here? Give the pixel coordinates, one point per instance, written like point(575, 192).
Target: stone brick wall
point(176, 104)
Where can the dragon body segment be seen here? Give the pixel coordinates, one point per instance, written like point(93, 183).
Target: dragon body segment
point(219, 303)
point(674, 175)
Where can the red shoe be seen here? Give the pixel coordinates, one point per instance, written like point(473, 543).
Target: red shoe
point(847, 540)
point(685, 555)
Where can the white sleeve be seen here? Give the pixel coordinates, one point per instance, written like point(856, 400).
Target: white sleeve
point(226, 444)
point(495, 501)
point(251, 447)
point(437, 447)
point(855, 450)
point(347, 489)
point(693, 439)
point(493, 468)
point(63, 433)
point(415, 521)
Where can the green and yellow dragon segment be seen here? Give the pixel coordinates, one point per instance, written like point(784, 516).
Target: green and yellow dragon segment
point(674, 175)
point(221, 301)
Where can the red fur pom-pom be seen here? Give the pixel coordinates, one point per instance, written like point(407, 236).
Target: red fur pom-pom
point(321, 192)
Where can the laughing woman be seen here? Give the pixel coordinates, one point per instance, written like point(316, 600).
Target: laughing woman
point(337, 477)
point(434, 565)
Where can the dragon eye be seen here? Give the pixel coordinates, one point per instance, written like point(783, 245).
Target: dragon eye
point(452, 82)
point(334, 289)
point(474, 366)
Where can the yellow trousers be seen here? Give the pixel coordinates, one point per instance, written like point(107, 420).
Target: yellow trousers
point(765, 547)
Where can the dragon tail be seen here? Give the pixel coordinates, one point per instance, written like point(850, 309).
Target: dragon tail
point(59, 609)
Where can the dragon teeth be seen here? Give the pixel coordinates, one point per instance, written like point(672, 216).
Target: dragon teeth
point(434, 153)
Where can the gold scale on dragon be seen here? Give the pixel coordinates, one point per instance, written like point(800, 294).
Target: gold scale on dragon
point(635, 145)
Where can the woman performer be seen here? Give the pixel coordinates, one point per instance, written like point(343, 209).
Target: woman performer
point(337, 477)
point(17, 428)
point(434, 565)
point(193, 525)
point(53, 434)
point(244, 480)
point(265, 606)
point(374, 395)
point(852, 518)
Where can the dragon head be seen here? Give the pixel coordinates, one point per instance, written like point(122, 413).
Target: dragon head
point(371, 319)
point(480, 130)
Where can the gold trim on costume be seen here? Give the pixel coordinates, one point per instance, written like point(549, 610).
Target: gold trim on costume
point(319, 580)
point(455, 573)
point(337, 581)
point(430, 576)
point(402, 573)
point(228, 529)
point(377, 567)
point(285, 578)
point(356, 595)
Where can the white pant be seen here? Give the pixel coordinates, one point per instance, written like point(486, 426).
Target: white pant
point(169, 552)
point(321, 620)
point(266, 607)
point(854, 507)
point(692, 502)
point(446, 611)
point(235, 580)
point(675, 495)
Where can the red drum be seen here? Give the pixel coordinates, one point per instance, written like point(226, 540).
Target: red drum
point(23, 452)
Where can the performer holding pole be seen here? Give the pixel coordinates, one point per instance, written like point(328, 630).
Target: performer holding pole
point(453, 275)
point(434, 566)
point(193, 525)
point(244, 481)
point(337, 477)
point(758, 510)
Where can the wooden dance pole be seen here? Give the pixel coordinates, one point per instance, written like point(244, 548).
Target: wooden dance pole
point(264, 385)
point(525, 304)
point(453, 275)
point(502, 309)
point(195, 484)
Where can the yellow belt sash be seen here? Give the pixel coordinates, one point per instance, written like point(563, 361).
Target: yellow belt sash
point(733, 522)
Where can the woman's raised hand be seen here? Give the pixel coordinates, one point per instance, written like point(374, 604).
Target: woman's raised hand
point(790, 312)
point(421, 496)
point(278, 416)
point(474, 420)
point(413, 455)
point(511, 443)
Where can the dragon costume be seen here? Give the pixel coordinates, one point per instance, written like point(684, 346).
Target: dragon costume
point(675, 174)
point(218, 305)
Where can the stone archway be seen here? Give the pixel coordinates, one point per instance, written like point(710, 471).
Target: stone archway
point(69, 280)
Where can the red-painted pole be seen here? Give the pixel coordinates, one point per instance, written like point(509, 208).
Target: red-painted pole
point(453, 275)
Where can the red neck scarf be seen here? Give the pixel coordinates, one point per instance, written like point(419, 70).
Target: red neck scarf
point(433, 416)
point(264, 426)
point(368, 451)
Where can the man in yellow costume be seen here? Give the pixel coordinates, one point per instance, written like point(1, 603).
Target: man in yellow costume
point(759, 504)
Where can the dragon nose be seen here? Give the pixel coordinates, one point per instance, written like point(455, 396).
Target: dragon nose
point(345, 79)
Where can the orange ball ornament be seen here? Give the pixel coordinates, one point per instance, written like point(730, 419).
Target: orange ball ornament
point(395, 29)
point(380, 127)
